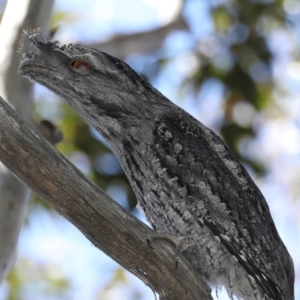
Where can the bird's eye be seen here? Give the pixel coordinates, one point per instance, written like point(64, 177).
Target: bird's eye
point(82, 65)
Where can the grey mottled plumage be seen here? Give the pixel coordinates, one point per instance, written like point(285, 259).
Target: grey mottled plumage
point(185, 178)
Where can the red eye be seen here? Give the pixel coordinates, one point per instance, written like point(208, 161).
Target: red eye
point(82, 65)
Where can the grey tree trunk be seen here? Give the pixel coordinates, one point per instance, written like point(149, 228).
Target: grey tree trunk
point(14, 195)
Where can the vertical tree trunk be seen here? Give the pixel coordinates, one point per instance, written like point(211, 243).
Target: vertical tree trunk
point(14, 195)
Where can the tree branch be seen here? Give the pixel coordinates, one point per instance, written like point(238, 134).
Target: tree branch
point(106, 224)
point(123, 45)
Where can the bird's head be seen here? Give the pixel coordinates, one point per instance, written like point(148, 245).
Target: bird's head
point(101, 87)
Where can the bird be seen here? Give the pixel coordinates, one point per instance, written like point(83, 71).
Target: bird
point(187, 181)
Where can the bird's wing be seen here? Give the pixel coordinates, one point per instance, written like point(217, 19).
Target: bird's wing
point(235, 209)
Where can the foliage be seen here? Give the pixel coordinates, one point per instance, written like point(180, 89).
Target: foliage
point(47, 280)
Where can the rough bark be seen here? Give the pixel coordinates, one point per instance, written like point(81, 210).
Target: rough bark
point(106, 224)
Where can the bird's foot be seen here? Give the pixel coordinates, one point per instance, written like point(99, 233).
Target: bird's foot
point(179, 243)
